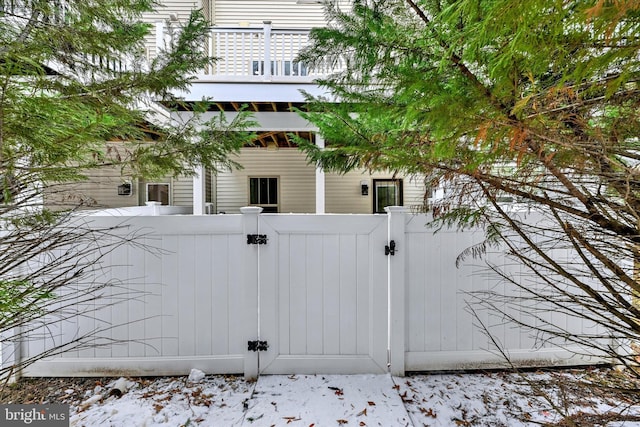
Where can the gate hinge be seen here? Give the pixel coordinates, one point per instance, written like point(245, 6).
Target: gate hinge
point(257, 239)
point(257, 345)
point(390, 249)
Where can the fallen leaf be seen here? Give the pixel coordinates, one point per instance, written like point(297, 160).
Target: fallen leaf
point(371, 403)
point(342, 422)
point(362, 423)
point(361, 413)
point(428, 412)
point(291, 419)
point(158, 408)
point(337, 390)
point(406, 399)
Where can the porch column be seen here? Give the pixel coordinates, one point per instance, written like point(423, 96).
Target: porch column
point(396, 216)
point(199, 191)
point(319, 179)
point(159, 36)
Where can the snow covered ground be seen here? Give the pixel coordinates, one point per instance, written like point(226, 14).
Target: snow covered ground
point(478, 399)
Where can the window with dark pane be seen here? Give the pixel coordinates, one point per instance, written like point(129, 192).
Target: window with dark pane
point(158, 193)
point(386, 192)
point(263, 192)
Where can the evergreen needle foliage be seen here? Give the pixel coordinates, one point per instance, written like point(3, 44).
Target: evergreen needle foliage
point(77, 94)
point(533, 102)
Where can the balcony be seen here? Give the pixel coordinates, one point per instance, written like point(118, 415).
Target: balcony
point(253, 55)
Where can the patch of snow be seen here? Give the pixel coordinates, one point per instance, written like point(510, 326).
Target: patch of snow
point(321, 400)
point(196, 375)
point(478, 399)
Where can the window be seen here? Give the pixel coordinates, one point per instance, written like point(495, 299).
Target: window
point(295, 68)
point(258, 68)
point(386, 192)
point(158, 193)
point(280, 68)
point(264, 192)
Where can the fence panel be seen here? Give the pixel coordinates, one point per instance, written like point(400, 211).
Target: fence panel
point(442, 332)
point(175, 302)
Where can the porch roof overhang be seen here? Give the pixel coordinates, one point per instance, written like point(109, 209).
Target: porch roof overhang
point(273, 105)
point(273, 128)
point(248, 92)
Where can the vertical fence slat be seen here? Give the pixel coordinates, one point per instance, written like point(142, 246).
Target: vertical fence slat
point(250, 284)
point(397, 268)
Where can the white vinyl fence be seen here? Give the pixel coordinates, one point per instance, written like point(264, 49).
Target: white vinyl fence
point(311, 293)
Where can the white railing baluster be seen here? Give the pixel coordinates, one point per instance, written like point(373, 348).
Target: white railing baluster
point(267, 50)
point(253, 54)
point(244, 43)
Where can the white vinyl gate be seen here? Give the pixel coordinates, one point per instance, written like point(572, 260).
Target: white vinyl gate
point(323, 294)
point(281, 294)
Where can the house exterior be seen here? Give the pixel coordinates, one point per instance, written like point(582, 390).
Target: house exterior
point(246, 35)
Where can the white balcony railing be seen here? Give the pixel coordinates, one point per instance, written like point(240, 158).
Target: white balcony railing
point(254, 54)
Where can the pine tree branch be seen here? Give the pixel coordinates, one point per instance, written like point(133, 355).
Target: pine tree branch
point(457, 61)
point(26, 31)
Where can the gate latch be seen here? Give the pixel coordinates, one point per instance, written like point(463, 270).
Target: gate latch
point(257, 239)
point(390, 249)
point(257, 345)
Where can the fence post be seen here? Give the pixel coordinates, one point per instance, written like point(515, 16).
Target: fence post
point(199, 190)
point(250, 291)
point(320, 179)
point(396, 263)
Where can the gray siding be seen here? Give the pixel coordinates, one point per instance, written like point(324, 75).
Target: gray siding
point(182, 191)
point(99, 191)
point(343, 192)
point(296, 179)
point(297, 184)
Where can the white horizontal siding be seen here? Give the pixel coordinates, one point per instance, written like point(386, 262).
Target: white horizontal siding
point(180, 8)
point(234, 13)
point(282, 13)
